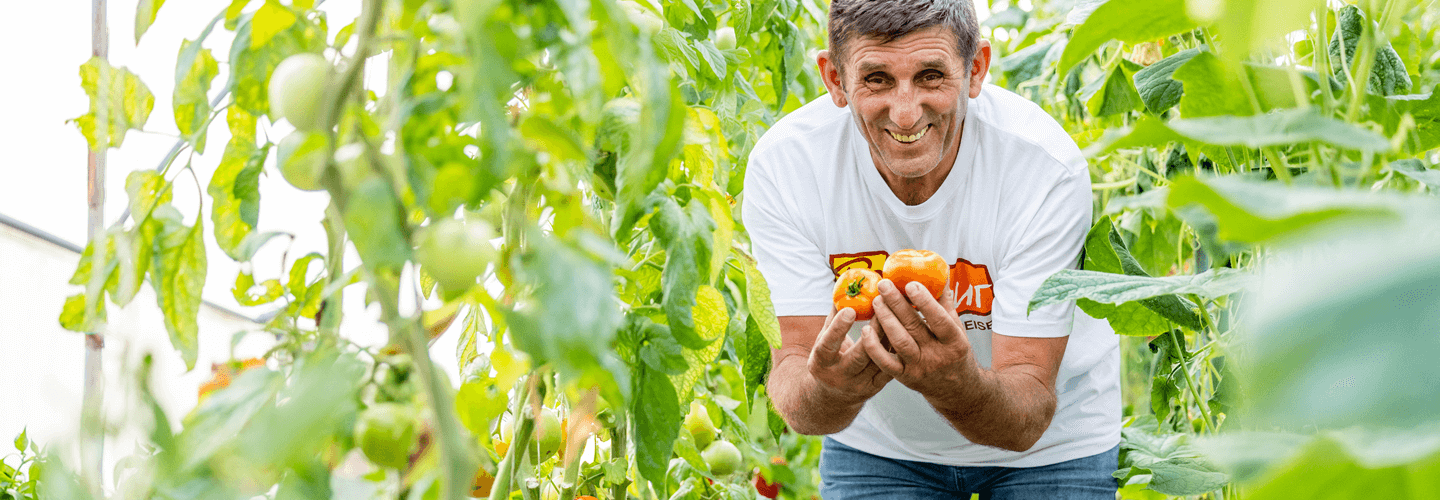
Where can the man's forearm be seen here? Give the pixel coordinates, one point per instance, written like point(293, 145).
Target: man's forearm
point(808, 407)
point(1009, 409)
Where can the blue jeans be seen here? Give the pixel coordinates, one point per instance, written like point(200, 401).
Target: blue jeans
point(847, 473)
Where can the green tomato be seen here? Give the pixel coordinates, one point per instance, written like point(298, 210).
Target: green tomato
point(455, 252)
point(301, 157)
point(297, 90)
point(354, 167)
point(722, 457)
point(549, 433)
point(385, 432)
point(725, 38)
point(698, 423)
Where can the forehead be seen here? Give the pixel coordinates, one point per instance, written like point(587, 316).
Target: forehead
point(933, 47)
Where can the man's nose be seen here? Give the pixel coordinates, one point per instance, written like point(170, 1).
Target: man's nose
point(905, 111)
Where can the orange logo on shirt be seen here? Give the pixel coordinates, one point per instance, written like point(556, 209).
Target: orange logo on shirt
point(974, 292)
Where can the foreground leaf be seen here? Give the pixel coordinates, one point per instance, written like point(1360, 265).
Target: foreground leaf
point(1131, 21)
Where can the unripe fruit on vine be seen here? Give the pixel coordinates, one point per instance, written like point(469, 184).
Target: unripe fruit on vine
point(549, 433)
point(725, 38)
point(385, 432)
point(297, 90)
point(301, 157)
point(722, 457)
point(698, 423)
point(455, 252)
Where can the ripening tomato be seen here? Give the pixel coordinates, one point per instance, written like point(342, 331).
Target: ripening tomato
point(297, 90)
point(722, 457)
point(385, 432)
point(765, 488)
point(857, 289)
point(924, 266)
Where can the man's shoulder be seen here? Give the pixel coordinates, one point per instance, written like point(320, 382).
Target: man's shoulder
point(801, 129)
point(1021, 126)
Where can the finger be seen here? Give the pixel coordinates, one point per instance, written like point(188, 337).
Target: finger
point(832, 337)
point(886, 361)
point(941, 320)
point(901, 306)
point(900, 338)
point(854, 358)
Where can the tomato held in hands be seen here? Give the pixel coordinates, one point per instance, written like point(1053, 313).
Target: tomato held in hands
point(924, 266)
point(857, 289)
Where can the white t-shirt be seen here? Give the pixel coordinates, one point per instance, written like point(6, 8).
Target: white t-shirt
point(1014, 210)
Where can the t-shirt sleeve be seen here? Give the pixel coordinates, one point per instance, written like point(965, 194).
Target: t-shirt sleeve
point(793, 266)
point(1049, 243)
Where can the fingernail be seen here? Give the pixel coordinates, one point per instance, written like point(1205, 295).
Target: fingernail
point(915, 287)
point(886, 285)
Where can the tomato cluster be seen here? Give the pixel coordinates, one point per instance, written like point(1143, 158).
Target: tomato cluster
point(857, 288)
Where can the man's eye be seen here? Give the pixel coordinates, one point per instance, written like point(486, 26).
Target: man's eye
point(875, 80)
point(931, 77)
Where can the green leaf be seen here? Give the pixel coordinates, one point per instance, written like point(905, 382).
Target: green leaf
point(1176, 468)
point(119, 102)
point(1157, 243)
point(269, 20)
point(686, 235)
point(480, 402)
point(573, 331)
point(1296, 126)
point(147, 190)
point(244, 282)
point(177, 272)
point(235, 187)
point(1211, 88)
point(755, 358)
point(194, 71)
point(1130, 319)
point(1387, 75)
point(711, 320)
point(714, 59)
point(73, 318)
point(373, 220)
point(1341, 331)
point(1109, 288)
point(1325, 471)
point(1115, 94)
point(1155, 85)
point(1245, 26)
point(1131, 21)
point(21, 441)
point(1024, 65)
point(656, 411)
point(757, 297)
point(1249, 212)
point(145, 13)
point(660, 351)
point(1105, 252)
point(1423, 110)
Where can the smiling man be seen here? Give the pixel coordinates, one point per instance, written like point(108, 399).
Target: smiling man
point(931, 398)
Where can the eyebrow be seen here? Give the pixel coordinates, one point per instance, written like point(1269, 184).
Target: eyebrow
point(868, 67)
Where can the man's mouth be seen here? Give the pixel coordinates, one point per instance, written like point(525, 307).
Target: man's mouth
point(909, 138)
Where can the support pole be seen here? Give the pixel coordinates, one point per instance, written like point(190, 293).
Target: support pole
point(92, 444)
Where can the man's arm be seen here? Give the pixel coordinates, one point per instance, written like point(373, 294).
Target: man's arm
point(1008, 406)
point(819, 378)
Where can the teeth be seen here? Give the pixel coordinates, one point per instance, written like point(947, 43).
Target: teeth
point(911, 138)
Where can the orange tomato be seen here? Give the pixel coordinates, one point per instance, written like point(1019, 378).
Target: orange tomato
point(857, 289)
point(923, 266)
point(223, 373)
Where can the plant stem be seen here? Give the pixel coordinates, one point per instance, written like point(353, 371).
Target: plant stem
point(524, 429)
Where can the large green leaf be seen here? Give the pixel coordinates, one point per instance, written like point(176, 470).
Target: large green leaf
point(656, 411)
point(177, 272)
point(1110, 288)
point(119, 102)
point(1155, 85)
point(1211, 88)
point(686, 235)
point(711, 320)
point(235, 189)
point(1112, 95)
point(1173, 466)
point(757, 297)
point(1131, 21)
point(1296, 126)
point(1423, 110)
point(1107, 259)
point(1416, 169)
point(555, 324)
point(1252, 212)
point(373, 221)
point(1341, 332)
point(1387, 75)
point(1327, 470)
point(194, 71)
point(1243, 27)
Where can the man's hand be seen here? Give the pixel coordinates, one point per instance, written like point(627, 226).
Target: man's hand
point(842, 366)
point(930, 354)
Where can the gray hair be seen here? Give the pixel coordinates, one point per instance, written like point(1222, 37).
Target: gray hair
point(888, 20)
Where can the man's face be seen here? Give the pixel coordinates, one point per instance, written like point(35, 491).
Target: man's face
point(909, 97)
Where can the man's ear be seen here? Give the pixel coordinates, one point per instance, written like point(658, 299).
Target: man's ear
point(830, 73)
point(979, 66)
